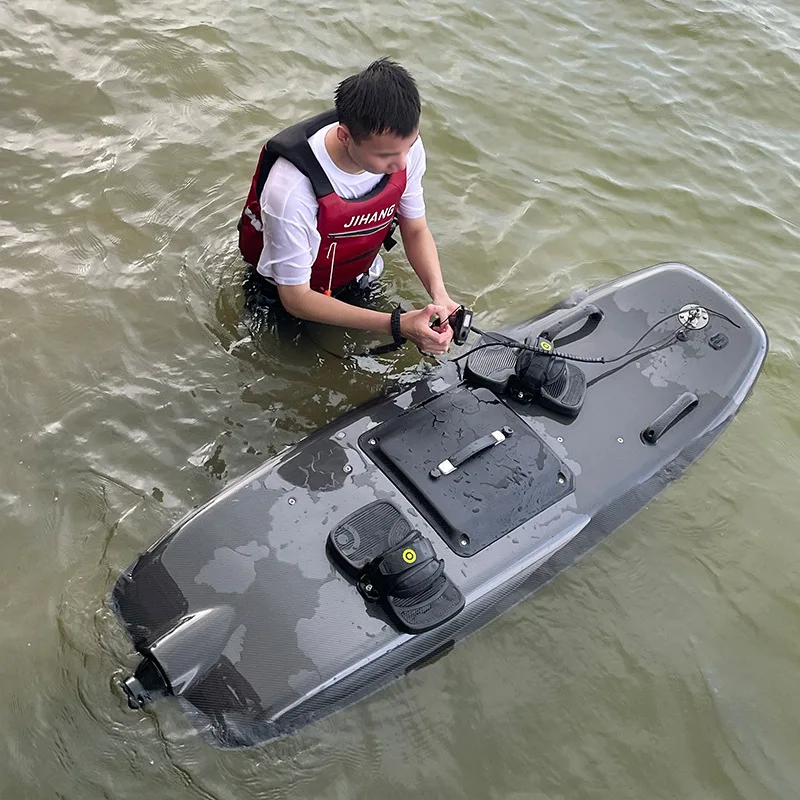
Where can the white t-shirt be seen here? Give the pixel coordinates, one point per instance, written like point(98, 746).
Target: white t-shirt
point(289, 210)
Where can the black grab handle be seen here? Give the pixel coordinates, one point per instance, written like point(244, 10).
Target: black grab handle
point(683, 405)
point(586, 311)
point(452, 463)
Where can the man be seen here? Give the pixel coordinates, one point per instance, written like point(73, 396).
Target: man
point(325, 197)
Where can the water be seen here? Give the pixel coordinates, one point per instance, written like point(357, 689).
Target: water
point(568, 144)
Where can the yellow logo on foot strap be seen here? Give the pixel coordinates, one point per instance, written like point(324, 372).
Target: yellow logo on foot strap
point(409, 555)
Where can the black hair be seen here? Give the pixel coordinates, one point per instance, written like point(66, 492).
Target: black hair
point(383, 98)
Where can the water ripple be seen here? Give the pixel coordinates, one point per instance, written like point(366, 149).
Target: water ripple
point(567, 145)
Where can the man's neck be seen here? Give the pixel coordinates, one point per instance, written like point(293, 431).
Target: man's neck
point(339, 155)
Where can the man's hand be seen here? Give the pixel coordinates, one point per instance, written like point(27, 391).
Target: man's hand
point(450, 307)
point(416, 326)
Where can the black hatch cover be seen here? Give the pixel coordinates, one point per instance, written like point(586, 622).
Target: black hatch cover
point(470, 464)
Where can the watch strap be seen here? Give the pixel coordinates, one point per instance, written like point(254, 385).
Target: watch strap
point(398, 337)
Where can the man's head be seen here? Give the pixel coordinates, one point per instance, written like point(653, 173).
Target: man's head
point(378, 112)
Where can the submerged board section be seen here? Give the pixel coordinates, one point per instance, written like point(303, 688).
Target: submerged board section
point(497, 474)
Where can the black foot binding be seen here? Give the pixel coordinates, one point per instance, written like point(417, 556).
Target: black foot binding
point(396, 567)
point(528, 376)
point(551, 381)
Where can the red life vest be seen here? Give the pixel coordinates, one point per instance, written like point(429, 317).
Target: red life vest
point(351, 231)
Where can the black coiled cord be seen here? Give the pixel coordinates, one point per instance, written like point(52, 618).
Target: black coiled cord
point(630, 352)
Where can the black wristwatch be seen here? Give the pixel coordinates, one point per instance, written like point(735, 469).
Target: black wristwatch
point(398, 337)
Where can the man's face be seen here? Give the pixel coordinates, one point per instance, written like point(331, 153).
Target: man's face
point(380, 153)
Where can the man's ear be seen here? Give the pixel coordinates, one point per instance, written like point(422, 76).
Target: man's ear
point(343, 134)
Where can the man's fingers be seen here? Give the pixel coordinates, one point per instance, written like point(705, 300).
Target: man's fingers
point(436, 343)
point(433, 310)
point(432, 340)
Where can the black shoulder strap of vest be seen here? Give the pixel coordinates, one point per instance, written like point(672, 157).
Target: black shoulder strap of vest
point(292, 144)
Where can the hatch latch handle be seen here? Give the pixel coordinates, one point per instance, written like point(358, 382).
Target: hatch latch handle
point(452, 463)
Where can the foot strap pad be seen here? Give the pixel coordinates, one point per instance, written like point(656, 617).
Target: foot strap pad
point(401, 573)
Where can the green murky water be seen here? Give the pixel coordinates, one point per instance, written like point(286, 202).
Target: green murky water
point(568, 143)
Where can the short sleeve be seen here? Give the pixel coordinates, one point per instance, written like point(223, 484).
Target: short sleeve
point(412, 203)
point(289, 216)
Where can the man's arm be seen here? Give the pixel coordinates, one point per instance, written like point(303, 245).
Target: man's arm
point(304, 303)
point(424, 259)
